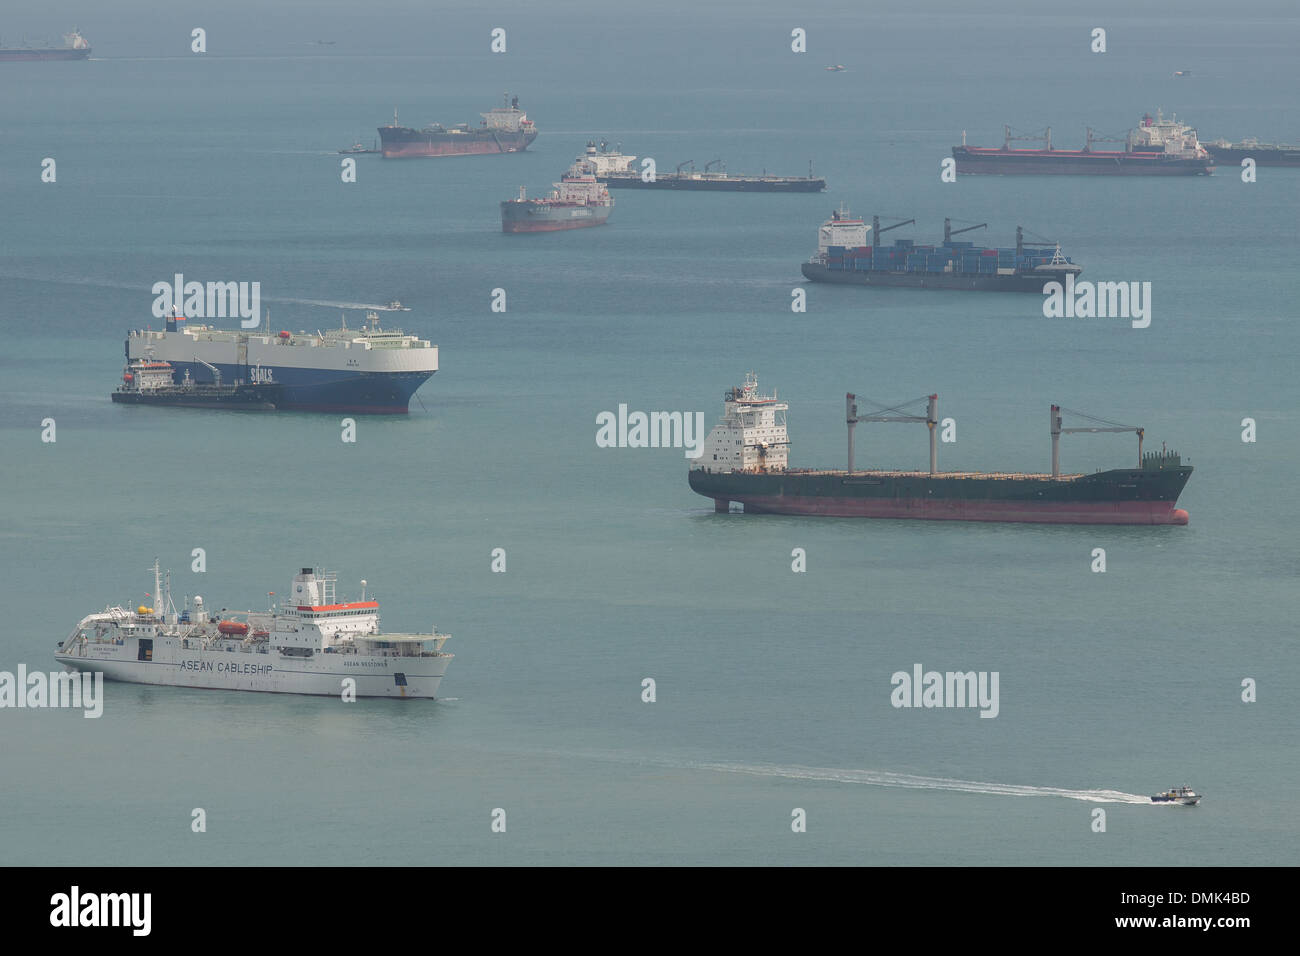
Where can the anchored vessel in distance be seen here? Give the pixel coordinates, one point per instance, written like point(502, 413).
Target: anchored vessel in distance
point(744, 460)
point(309, 644)
point(1264, 154)
point(74, 47)
point(843, 256)
point(614, 169)
point(368, 370)
point(505, 129)
point(578, 200)
point(1158, 147)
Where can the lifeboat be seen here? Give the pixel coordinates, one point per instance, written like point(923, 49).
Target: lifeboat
point(233, 627)
point(284, 335)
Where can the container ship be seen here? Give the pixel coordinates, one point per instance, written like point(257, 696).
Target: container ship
point(843, 255)
point(744, 459)
point(309, 644)
point(367, 371)
point(687, 179)
point(146, 382)
point(505, 129)
point(74, 47)
point(1264, 154)
point(578, 200)
point(1158, 147)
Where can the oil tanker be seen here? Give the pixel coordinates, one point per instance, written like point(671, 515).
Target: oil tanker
point(505, 129)
point(844, 256)
point(1264, 154)
point(744, 459)
point(578, 200)
point(1158, 147)
point(147, 382)
point(74, 47)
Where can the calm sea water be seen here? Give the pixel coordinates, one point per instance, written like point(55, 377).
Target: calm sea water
point(772, 687)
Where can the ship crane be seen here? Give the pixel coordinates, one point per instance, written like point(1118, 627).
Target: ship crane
point(1045, 136)
point(1101, 426)
point(716, 162)
point(216, 372)
point(883, 414)
point(949, 231)
point(689, 162)
point(876, 229)
point(1091, 138)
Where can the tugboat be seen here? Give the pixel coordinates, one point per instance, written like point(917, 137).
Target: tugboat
point(1184, 795)
point(359, 149)
point(311, 643)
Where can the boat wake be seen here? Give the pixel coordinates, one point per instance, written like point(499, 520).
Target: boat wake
point(879, 778)
point(884, 778)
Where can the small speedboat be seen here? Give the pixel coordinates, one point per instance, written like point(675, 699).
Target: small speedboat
point(1184, 795)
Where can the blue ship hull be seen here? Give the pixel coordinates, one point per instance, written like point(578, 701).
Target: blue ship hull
point(323, 390)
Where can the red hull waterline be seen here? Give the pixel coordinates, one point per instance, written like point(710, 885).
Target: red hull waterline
point(1080, 512)
point(523, 226)
point(403, 150)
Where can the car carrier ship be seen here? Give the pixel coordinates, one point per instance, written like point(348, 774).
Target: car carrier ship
point(578, 200)
point(367, 371)
point(505, 129)
point(844, 256)
point(74, 47)
point(308, 644)
point(1158, 147)
point(744, 459)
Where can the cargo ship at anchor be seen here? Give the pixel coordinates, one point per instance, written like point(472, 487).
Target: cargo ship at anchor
point(1158, 147)
point(578, 200)
point(1264, 154)
point(74, 47)
point(686, 179)
point(844, 256)
point(505, 129)
point(368, 370)
point(309, 644)
point(745, 460)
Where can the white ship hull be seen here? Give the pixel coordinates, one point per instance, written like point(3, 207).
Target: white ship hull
point(269, 671)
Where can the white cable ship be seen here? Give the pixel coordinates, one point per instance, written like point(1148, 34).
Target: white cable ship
point(309, 644)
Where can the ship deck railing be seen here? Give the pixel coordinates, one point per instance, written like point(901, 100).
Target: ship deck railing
point(873, 473)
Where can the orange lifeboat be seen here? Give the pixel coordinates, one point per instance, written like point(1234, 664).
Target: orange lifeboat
point(233, 627)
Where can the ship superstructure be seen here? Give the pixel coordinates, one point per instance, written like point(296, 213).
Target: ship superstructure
point(365, 370)
point(578, 200)
point(504, 129)
point(310, 643)
point(744, 460)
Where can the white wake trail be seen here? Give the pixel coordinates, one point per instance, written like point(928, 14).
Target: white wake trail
point(871, 778)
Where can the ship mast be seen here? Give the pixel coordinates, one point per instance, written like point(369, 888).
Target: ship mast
point(1104, 426)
